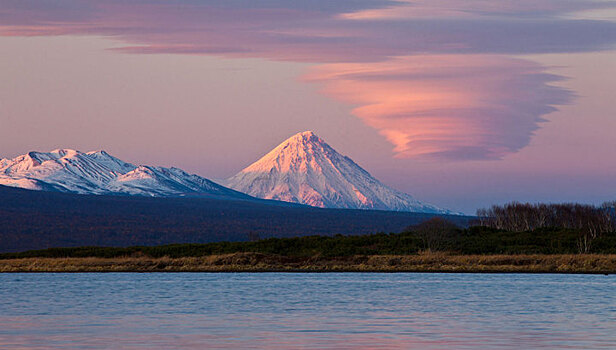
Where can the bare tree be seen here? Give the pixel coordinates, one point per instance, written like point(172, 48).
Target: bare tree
point(435, 233)
point(590, 221)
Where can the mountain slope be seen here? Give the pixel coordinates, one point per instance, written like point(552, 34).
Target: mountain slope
point(67, 170)
point(43, 219)
point(304, 169)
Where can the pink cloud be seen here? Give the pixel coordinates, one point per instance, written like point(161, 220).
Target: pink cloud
point(452, 106)
point(433, 77)
point(474, 8)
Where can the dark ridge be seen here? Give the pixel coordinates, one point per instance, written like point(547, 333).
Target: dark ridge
point(39, 220)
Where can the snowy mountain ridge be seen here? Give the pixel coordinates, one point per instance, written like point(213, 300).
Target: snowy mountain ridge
point(97, 172)
point(305, 169)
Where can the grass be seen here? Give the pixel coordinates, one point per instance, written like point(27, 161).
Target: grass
point(476, 249)
point(259, 262)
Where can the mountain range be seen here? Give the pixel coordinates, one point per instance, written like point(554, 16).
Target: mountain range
point(304, 169)
point(67, 170)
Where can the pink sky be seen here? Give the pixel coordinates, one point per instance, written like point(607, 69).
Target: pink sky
point(460, 103)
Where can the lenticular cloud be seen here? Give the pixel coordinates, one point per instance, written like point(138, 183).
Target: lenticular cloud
point(447, 106)
point(435, 78)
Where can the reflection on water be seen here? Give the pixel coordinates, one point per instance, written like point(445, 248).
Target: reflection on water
point(279, 310)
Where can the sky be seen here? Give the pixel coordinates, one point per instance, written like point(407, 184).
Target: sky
point(463, 103)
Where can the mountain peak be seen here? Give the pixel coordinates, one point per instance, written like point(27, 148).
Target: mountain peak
point(304, 134)
point(63, 152)
point(305, 169)
point(298, 153)
point(101, 152)
point(98, 172)
point(303, 137)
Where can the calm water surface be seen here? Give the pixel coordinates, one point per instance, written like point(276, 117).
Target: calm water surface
point(280, 310)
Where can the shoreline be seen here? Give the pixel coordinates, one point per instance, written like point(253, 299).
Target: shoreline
point(256, 262)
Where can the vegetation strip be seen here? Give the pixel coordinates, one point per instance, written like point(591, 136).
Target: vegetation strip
point(433, 235)
point(256, 262)
point(564, 238)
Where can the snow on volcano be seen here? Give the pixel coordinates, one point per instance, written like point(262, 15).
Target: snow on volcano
point(305, 169)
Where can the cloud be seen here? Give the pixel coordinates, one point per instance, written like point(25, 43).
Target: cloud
point(447, 106)
point(404, 9)
point(436, 78)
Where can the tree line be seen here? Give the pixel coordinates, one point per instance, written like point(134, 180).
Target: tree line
point(436, 234)
point(591, 222)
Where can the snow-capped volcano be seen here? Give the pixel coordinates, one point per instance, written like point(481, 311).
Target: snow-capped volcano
point(98, 172)
point(304, 169)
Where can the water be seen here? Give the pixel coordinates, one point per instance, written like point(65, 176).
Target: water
point(286, 310)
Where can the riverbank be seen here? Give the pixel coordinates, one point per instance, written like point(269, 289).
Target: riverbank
point(257, 262)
